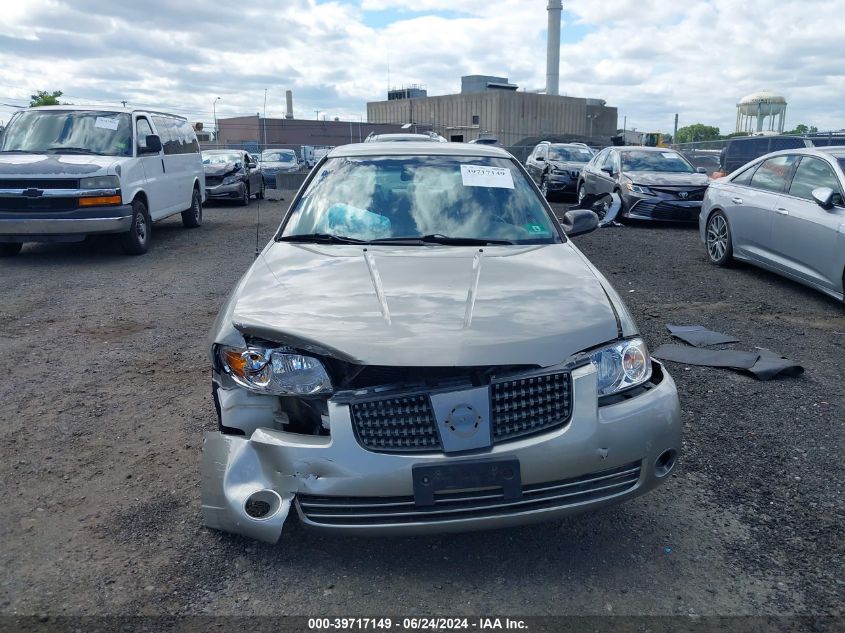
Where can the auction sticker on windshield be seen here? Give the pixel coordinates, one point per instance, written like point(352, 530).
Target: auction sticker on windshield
point(482, 176)
point(107, 123)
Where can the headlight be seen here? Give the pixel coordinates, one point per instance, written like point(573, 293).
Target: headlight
point(557, 170)
point(232, 179)
point(100, 182)
point(639, 189)
point(279, 371)
point(621, 366)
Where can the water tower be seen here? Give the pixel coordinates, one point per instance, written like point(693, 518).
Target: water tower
point(753, 110)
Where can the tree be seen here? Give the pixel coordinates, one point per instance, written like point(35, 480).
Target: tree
point(697, 132)
point(803, 129)
point(42, 98)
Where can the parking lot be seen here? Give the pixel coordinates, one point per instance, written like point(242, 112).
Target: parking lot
point(107, 393)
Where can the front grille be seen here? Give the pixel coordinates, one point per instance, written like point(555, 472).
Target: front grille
point(692, 194)
point(402, 423)
point(18, 203)
point(530, 405)
point(665, 211)
point(39, 183)
point(478, 504)
point(213, 181)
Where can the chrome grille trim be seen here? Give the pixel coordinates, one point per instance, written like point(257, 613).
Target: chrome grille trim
point(399, 423)
point(362, 511)
point(534, 404)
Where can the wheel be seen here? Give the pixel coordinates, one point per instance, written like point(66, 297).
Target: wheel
point(583, 196)
point(10, 249)
point(245, 197)
point(544, 188)
point(718, 238)
point(192, 217)
point(136, 240)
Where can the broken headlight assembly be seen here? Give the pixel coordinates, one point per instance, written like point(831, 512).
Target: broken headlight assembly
point(640, 189)
point(620, 366)
point(274, 371)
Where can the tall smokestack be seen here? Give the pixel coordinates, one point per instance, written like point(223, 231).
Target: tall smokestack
point(553, 50)
point(288, 104)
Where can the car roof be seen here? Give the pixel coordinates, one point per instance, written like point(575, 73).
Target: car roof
point(223, 151)
point(645, 148)
point(836, 150)
point(424, 148)
point(102, 108)
point(409, 137)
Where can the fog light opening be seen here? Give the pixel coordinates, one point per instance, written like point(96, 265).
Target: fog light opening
point(665, 463)
point(263, 504)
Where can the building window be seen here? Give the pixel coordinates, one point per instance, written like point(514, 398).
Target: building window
point(476, 119)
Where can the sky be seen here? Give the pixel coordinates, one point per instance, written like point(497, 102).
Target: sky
point(649, 58)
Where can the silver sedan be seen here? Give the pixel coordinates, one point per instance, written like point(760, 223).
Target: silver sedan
point(785, 212)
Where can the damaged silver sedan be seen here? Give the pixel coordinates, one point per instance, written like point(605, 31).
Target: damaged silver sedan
point(421, 348)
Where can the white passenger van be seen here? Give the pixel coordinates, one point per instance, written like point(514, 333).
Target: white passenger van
point(71, 171)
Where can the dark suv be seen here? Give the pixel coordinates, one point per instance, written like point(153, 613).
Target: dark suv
point(555, 167)
point(744, 149)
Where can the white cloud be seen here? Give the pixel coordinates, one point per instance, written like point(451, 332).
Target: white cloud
point(650, 58)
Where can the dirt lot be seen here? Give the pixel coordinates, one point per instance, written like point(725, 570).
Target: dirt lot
point(105, 397)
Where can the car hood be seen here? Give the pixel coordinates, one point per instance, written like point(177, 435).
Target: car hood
point(218, 169)
point(56, 165)
point(426, 306)
point(667, 178)
point(276, 165)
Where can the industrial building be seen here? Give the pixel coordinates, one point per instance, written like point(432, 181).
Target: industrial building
point(492, 106)
point(256, 130)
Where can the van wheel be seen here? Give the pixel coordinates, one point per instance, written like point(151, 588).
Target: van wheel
point(192, 217)
point(245, 197)
point(136, 241)
point(10, 249)
point(718, 238)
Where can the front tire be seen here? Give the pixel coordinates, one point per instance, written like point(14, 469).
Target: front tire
point(192, 217)
point(136, 241)
point(584, 199)
point(244, 201)
point(10, 249)
point(718, 239)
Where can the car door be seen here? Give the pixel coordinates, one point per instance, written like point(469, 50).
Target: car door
point(536, 163)
point(606, 174)
point(751, 207)
point(806, 238)
point(591, 171)
point(153, 166)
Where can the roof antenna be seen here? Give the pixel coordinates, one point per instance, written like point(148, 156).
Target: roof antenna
point(258, 218)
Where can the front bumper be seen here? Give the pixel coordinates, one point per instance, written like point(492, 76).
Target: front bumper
point(234, 190)
point(33, 226)
point(561, 182)
point(664, 209)
point(627, 437)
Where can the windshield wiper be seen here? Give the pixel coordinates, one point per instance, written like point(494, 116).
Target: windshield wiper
point(438, 238)
point(21, 151)
point(73, 150)
point(321, 238)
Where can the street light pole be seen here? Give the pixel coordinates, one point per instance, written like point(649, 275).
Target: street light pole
point(216, 129)
point(265, 120)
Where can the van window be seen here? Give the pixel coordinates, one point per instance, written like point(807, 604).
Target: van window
point(173, 140)
point(143, 131)
point(786, 143)
point(69, 132)
point(772, 173)
point(190, 145)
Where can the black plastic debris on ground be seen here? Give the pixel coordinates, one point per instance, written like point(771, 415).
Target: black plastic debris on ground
point(763, 364)
point(699, 335)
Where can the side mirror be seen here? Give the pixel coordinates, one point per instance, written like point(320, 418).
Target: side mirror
point(579, 221)
point(252, 165)
point(823, 197)
point(607, 170)
point(540, 159)
point(701, 170)
point(153, 144)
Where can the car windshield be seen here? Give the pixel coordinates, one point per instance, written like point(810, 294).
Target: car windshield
point(69, 132)
point(278, 157)
point(570, 154)
point(841, 160)
point(380, 198)
point(638, 160)
point(220, 159)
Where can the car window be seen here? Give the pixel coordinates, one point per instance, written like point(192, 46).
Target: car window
point(772, 173)
point(570, 154)
point(609, 161)
point(744, 177)
point(813, 173)
point(372, 198)
point(662, 161)
point(598, 159)
point(143, 129)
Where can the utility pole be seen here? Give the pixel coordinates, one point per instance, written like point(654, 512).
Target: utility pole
point(264, 145)
point(675, 134)
point(124, 103)
point(216, 130)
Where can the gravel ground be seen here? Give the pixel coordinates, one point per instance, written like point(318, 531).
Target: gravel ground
point(106, 396)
